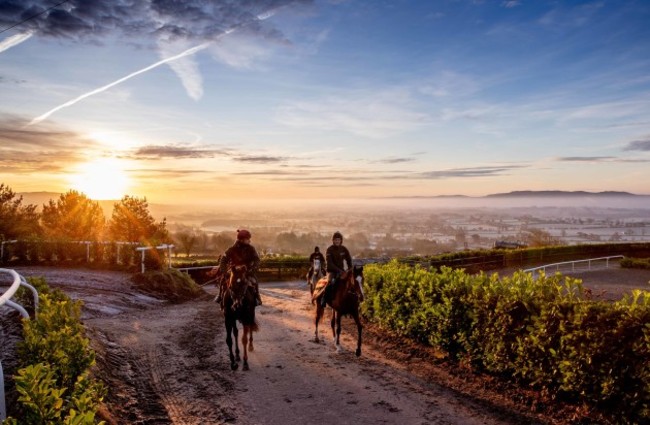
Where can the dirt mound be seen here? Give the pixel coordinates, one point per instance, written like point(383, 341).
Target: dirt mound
point(170, 285)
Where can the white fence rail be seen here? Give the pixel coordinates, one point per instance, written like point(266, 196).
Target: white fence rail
point(577, 265)
point(5, 299)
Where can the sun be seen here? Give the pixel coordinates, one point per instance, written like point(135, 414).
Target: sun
point(101, 179)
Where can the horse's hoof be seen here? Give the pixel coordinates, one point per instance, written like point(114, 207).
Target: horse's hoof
point(358, 352)
point(339, 349)
point(245, 367)
point(234, 366)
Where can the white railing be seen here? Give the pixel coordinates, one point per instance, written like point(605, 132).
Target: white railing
point(142, 249)
point(5, 299)
point(566, 266)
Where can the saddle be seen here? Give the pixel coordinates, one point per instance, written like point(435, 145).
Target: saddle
point(319, 289)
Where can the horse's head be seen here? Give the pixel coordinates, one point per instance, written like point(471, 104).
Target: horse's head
point(238, 282)
point(355, 281)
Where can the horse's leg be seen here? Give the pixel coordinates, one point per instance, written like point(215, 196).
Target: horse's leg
point(250, 341)
point(357, 320)
point(333, 325)
point(245, 345)
point(229, 331)
point(338, 333)
point(235, 332)
point(319, 315)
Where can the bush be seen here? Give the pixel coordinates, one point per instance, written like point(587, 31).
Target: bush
point(636, 263)
point(53, 382)
point(544, 332)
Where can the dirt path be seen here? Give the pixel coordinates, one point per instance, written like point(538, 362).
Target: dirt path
point(168, 364)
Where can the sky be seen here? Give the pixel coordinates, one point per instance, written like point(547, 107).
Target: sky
point(205, 100)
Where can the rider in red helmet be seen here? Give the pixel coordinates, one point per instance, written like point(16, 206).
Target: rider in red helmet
point(242, 253)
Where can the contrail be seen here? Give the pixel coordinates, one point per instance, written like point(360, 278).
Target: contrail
point(121, 80)
point(14, 40)
point(187, 52)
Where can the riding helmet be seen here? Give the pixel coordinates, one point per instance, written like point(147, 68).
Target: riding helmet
point(243, 234)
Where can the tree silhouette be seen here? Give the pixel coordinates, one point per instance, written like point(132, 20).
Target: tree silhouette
point(73, 216)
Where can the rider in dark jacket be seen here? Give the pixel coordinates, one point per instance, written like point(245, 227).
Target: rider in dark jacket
point(242, 253)
point(338, 261)
point(316, 255)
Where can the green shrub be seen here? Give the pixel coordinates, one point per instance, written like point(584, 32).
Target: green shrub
point(53, 382)
point(636, 263)
point(544, 332)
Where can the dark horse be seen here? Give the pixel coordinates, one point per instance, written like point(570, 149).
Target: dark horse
point(239, 305)
point(347, 294)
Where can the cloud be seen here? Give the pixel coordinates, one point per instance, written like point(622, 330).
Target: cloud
point(164, 152)
point(393, 160)
point(638, 145)
point(261, 159)
point(268, 173)
point(14, 40)
point(469, 172)
point(586, 158)
point(367, 114)
point(511, 3)
point(47, 148)
point(195, 20)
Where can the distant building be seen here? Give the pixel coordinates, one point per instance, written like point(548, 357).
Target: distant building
point(509, 245)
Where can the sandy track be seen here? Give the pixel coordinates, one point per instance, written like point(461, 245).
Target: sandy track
point(167, 364)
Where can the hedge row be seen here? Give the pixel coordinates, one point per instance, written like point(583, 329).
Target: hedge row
point(53, 381)
point(97, 254)
point(544, 333)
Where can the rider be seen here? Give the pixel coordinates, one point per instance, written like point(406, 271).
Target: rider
point(316, 255)
point(339, 261)
point(242, 253)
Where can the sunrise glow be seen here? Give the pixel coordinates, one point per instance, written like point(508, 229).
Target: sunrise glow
point(101, 179)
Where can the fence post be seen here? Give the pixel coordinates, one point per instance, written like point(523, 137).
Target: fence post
point(3, 408)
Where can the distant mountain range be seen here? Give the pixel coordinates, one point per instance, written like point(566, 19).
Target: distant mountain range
point(532, 194)
point(40, 198)
point(557, 193)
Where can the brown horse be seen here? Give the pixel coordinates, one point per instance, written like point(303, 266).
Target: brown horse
point(239, 305)
point(347, 294)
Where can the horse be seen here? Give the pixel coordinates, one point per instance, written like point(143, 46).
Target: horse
point(317, 273)
point(347, 294)
point(239, 305)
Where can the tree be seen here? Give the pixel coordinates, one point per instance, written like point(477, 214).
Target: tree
point(187, 239)
point(73, 217)
point(16, 220)
point(131, 221)
point(539, 237)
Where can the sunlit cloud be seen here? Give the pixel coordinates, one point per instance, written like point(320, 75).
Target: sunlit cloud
point(49, 147)
point(165, 152)
point(14, 40)
point(261, 159)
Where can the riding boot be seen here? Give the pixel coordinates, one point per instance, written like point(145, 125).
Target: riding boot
point(326, 295)
point(258, 297)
